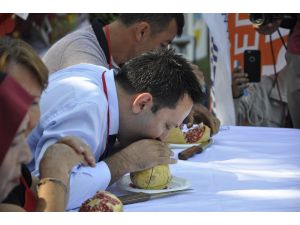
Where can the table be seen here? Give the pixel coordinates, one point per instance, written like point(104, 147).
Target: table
point(246, 169)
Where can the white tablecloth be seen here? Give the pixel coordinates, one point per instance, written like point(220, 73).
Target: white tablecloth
point(246, 169)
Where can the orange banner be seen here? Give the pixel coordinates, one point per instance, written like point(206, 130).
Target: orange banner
point(243, 36)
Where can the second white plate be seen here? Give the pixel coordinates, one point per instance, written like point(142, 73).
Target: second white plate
point(176, 183)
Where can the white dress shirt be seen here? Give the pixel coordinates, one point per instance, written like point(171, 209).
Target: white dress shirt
point(74, 103)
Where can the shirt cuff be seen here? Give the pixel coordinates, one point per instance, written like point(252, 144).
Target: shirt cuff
point(86, 181)
point(36, 171)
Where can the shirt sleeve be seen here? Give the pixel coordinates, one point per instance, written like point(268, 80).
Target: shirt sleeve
point(80, 121)
point(76, 113)
point(83, 51)
point(86, 181)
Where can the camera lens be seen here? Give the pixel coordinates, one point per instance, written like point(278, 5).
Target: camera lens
point(257, 18)
point(252, 59)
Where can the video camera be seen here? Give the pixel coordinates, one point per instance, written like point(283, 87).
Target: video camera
point(288, 19)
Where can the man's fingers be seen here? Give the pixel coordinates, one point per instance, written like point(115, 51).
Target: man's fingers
point(90, 160)
point(166, 153)
point(80, 148)
point(172, 161)
point(239, 75)
point(243, 80)
point(235, 82)
point(199, 74)
point(167, 161)
point(217, 124)
point(190, 124)
point(194, 66)
point(190, 118)
point(243, 86)
point(74, 143)
point(214, 125)
point(83, 161)
point(237, 70)
point(240, 81)
point(87, 160)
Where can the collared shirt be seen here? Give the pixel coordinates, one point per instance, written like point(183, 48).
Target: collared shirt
point(74, 104)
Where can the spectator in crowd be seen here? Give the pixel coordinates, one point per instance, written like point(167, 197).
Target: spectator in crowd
point(260, 104)
point(52, 189)
point(111, 46)
point(18, 59)
point(293, 64)
point(151, 94)
point(25, 72)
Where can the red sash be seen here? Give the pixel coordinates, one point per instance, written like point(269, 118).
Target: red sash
point(105, 153)
point(30, 199)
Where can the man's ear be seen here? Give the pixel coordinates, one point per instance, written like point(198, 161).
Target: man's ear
point(142, 102)
point(142, 30)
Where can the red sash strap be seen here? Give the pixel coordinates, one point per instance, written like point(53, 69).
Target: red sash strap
point(104, 155)
point(30, 199)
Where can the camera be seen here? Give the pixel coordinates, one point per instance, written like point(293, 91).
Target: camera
point(288, 19)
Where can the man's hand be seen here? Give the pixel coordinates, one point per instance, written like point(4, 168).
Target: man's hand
point(199, 74)
point(269, 28)
point(200, 114)
point(81, 148)
point(62, 156)
point(239, 82)
point(138, 156)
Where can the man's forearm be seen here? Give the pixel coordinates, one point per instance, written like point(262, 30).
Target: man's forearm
point(117, 166)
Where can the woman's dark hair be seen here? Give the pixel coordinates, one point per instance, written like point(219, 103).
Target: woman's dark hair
point(162, 73)
point(158, 21)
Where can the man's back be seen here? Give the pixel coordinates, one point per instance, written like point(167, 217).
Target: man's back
point(80, 46)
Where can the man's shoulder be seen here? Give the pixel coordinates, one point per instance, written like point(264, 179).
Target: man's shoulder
point(83, 37)
point(80, 46)
point(84, 34)
point(82, 69)
point(73, 85)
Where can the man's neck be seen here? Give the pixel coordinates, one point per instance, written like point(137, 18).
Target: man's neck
point(120, 42)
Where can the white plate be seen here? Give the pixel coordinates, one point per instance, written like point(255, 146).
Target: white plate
point(176, 183)
point(176, 146)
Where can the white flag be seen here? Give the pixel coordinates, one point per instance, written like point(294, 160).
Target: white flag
point(221, 95)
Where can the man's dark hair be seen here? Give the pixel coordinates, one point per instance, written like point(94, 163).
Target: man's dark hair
point(158, 21)
point(162, 73)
